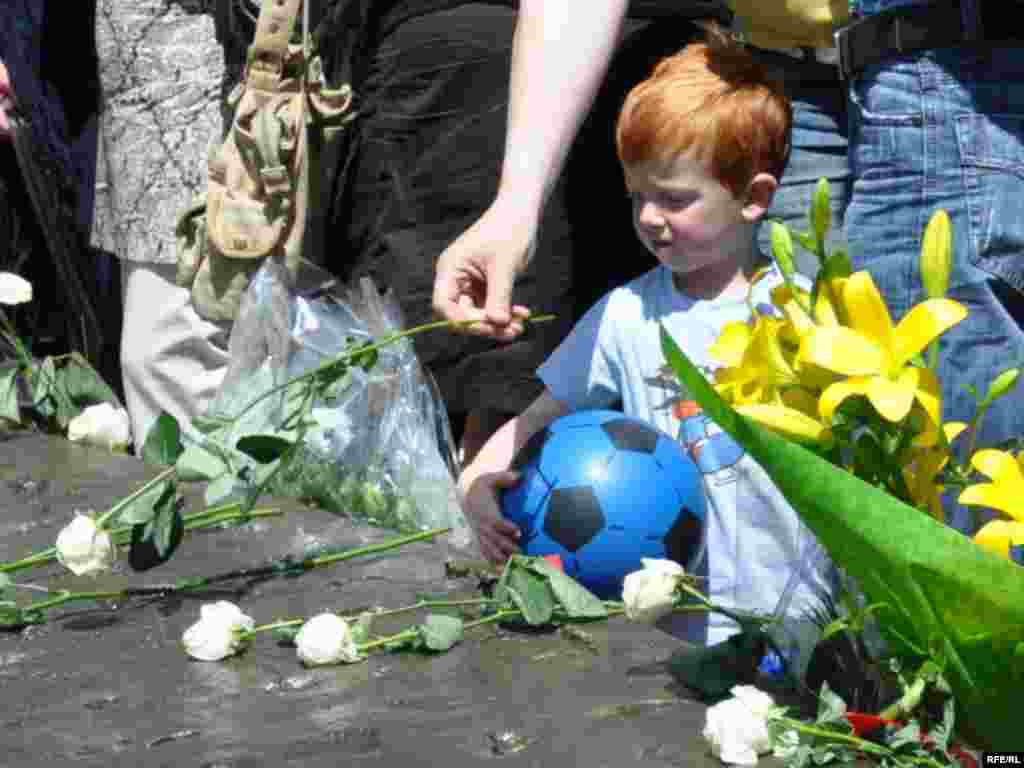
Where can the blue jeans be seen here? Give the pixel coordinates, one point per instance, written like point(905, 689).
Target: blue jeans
point(945, 129)
point(819, 150)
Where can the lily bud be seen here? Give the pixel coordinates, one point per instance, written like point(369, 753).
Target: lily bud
point(84, 548)
point(326, 639)
point(782, 249)
point(821, 210)
point(937, 255)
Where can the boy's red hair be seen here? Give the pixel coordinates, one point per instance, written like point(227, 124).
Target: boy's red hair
point(716, 98)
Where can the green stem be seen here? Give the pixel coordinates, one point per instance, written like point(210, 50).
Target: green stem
point(269, 627)
point(206, 518)
point(137, 493)
point(862, 745)
point(317, 562)
point(67, 597)
point(348, 355)
point(426, 605)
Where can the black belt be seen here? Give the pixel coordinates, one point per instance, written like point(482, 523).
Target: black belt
point(917, 27)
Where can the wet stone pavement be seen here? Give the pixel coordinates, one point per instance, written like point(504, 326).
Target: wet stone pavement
point(109, 685)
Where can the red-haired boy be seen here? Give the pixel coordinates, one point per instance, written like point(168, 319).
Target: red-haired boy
point(703, 142)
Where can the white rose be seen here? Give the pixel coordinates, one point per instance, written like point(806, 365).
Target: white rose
point(14, 289)
point(102, 425)
point(217, 633)
point(650, 593)
point(737, 729)
point(326, 639)
point(83, 548)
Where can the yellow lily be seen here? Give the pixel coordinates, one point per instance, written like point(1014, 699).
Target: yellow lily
point(756, 363)
point(874, 355)
point(1004, 538)
point(1006, 491)
point(787, 421)
point(923, 467)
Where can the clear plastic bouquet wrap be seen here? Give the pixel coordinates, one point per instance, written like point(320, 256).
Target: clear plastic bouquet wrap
point(321, 402)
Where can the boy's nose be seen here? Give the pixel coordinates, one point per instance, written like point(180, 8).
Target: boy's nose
point(650, 217)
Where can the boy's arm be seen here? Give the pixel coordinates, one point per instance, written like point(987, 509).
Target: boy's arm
point(480, 482)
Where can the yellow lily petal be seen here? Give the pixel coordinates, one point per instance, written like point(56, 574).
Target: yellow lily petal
point(832, 397)
point(786, 421)
point(953, 429)
point(1001, 466)
point(731, 343)
point(843, 351)
point(928, 392)
point(999, 535)
point(824, 310)
point(866, 310)
point(992, 496)
point(892, 399)
point(923, 324)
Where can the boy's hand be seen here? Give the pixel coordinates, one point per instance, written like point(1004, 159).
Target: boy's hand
point(498, 535)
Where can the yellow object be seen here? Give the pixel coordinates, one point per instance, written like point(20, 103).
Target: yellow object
point(790, 23)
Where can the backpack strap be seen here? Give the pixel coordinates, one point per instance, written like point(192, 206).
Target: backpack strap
point(269, 48)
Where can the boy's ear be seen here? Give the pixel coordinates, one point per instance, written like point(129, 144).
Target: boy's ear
point(759, 196)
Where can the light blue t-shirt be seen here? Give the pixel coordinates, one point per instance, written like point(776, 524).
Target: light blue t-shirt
point(870, 7)
point(755, 541)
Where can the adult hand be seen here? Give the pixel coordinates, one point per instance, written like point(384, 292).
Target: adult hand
point(6, 102)
point(475, 275)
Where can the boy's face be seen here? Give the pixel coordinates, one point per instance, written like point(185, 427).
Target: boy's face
point(686, 217)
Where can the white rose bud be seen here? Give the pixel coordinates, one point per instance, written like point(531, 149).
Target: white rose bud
point(102, 425)
point(14, 289)
point(217, 634)
point(84, 548)
point(326, 639)
point(737, 729)
point(650, 593)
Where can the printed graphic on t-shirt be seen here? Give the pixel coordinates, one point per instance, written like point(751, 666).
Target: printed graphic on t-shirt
point(713, 451)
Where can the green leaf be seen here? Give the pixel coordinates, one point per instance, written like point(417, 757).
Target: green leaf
point(837, 265)
point(1002, 385)
point(264, 448)
point(83, 384)
point(713, 670)
point(197, 464)
point(530, 593)
point(163, 442)
point(439, 632)
point(220, 489)
point(577, 600)
point(907, 736)
point(11, 616)
point(831, 708)
point(154, 542)
point(9, 394)
point(206, 424)
point(44, 375)
point(143, 508)
point(6, 586)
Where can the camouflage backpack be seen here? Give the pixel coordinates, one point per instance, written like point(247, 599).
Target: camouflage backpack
point(257, 202)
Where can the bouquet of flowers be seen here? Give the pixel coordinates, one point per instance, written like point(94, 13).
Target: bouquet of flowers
point(842, 408)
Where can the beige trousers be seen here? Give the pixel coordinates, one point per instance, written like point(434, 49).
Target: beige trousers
point(171, 359)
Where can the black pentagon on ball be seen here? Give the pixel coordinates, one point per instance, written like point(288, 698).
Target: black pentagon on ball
point(574, 516)
point(631, 435)
point(683, 538)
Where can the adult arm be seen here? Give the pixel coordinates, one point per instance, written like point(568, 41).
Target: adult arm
point(560, 53)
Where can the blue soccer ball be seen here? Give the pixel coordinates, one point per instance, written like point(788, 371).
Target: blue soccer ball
point(602, 490)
